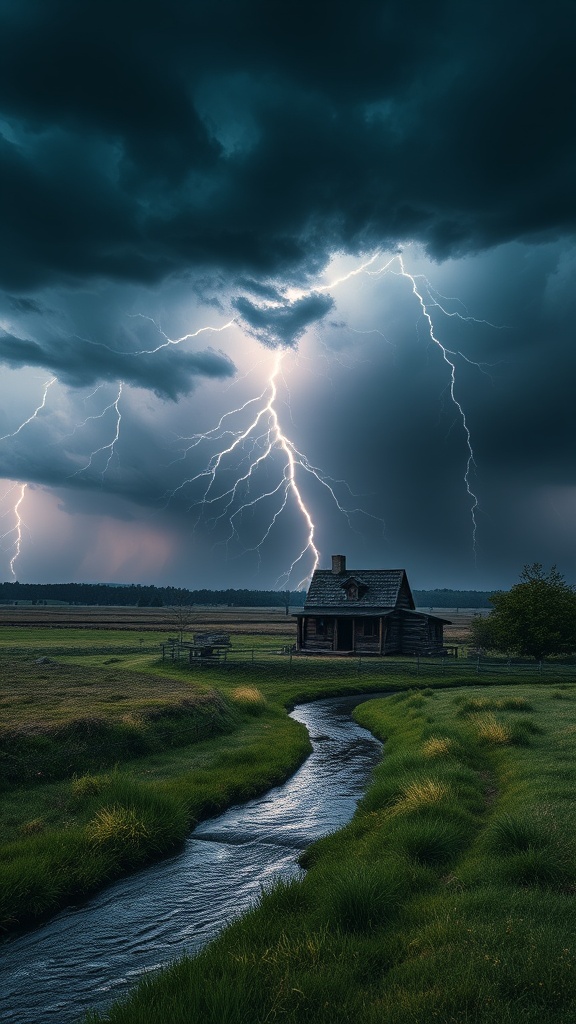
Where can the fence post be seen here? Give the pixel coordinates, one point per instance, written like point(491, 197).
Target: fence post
point(540, 667)
point(478, 665)
point(418, 665)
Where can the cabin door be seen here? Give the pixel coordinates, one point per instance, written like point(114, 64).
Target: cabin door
point(344, 642)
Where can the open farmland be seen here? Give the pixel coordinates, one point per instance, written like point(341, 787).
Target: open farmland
point(252, 621)
point(245, 621)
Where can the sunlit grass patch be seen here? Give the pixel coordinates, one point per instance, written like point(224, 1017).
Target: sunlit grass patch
point(422, 793)
point(489, 730)
point(249, 699)
point(475, 705)
point(118, 826)
point(88, 785)
point(439, 746)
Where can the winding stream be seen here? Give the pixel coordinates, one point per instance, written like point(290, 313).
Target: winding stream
point(90, 955)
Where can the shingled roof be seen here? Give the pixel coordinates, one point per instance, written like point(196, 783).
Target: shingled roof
point(378, 588)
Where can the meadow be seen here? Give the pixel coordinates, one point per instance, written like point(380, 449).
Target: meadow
point(109, 756)
point(449, 897)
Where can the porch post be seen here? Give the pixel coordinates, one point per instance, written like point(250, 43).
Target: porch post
point(300, 632)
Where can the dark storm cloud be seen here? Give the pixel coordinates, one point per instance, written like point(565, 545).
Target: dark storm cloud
point(156, 158)
point(144, 139)
point(282, 325)
point(80, 363)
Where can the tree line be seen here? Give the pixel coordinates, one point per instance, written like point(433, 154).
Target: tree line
point(142, 596)
point(136, 595)
point(446, 598)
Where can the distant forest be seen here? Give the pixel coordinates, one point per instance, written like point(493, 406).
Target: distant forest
point(158, 597)
point(452, 598)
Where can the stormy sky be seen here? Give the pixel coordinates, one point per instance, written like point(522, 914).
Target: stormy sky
point(274, 268)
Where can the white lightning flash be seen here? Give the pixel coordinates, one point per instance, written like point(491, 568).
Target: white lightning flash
point(251, 446)
point(47, 385)
point(263, 440)
point(252, 449)
point(111, 446)
point(448, 356)
point(15, 531)
point(171, 342)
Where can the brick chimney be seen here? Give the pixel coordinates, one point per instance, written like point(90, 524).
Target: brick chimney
point(338, 564)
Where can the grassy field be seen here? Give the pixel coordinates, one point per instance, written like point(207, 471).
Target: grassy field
point(108, 756)
point(131, 627)
point(104, 768)
point(450, 897)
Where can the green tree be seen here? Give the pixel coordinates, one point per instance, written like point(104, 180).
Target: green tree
point(537, 617)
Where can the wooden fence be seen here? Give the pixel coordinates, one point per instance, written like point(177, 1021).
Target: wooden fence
point(330, 665)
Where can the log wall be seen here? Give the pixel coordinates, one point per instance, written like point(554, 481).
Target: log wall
point(397, 633)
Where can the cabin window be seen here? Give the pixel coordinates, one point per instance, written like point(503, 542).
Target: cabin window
point(352, 592)
point(370, 627)
point(320, 627)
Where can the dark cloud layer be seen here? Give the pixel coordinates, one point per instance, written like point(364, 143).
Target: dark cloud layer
point(80, 363)
point(143, 139)
point(283, 324)
point(157, 160)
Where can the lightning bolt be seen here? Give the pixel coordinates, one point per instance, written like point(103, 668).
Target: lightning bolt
point(448, 356)
point(17, 528)
point(111, 446)
point(262, 439)
point(18, 524)
point(47, 385)
point(251, 446)
point(168, 342)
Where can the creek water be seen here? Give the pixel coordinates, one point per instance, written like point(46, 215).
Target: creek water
point(91, 954)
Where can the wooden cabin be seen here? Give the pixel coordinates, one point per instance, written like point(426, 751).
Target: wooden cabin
point(365, 611)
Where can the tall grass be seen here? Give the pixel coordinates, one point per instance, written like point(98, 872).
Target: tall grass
point(449, 897)
point(102, 824)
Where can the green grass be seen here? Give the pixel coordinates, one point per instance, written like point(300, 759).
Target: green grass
point(103, 770)
point(449, 897)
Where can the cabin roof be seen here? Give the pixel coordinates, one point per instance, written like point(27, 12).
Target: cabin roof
point(379, 589)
